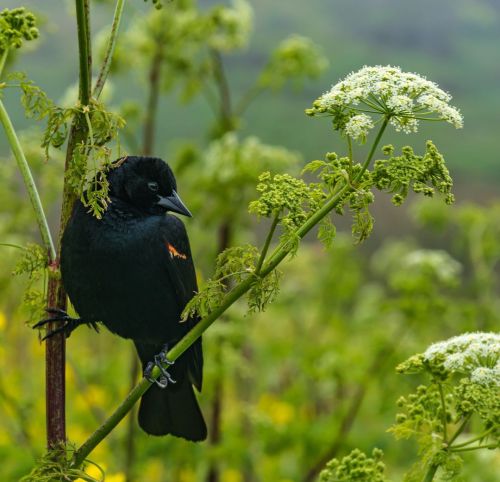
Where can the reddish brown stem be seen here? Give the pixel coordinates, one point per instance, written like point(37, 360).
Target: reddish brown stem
point(55, 348)
point(55, 355)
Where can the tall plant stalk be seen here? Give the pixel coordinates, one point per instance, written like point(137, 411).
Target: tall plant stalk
point(55, 348)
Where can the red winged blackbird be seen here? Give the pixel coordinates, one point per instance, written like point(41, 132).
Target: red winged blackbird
point(132, 270)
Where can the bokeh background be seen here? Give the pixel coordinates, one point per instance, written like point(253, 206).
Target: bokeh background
point(313, 376)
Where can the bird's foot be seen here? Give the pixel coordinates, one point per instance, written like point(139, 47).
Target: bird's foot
point(159, 360)
point(69, 323)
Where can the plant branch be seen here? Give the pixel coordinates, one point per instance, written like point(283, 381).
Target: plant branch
point(475, 439)
point(248, 97)
point(443, 413)
point(55, 347)
point(477, 447)
point(29, 182)
point(231, 297)
point(265, 249)
point(460, 429)
point(174, 353)
point(84, 49)
point(431, 472)
point(3, 59)
point(108, 56)
point(373, 149)
point(224, 92)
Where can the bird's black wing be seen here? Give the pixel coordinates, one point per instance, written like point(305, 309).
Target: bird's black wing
point(180, 268)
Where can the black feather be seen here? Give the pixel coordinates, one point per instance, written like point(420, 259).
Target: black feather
point(133, 271)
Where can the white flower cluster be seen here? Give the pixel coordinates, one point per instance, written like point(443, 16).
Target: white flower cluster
point(438, 261)
point(476, 355)
point(405, 97)
point(358, 126)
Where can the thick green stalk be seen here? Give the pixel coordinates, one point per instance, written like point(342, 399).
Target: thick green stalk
point(108, 57)
point(431, 472)
point(235, 294)
point(84, 50)
point(55, 347)
point(29, 182)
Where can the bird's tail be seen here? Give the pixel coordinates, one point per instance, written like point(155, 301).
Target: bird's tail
point(172, 410)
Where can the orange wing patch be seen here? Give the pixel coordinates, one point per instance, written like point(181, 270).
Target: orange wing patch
point(174, 253)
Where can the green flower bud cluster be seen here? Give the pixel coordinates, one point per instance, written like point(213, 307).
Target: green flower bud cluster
point(286, 197)
point(422, 174)
point(421, 413)
point(472, 397)
point(297, 58)
point(16, 25)
point(355, 467)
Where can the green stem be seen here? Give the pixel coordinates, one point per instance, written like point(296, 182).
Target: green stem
point(108, 57)
point(236, 293)
point(372, 150)
point(231, 297)
point(225, 106)
point(267, 244)
point(460, 429)
point(477, 447)
point(443, 413)
point(3, 59)
point(349, 150)
point(84, 50)
point(475, 439)
point(29, 182)
point(248, 97)
point(431, 472)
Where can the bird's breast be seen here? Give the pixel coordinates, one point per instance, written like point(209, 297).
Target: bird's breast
point(113, 273)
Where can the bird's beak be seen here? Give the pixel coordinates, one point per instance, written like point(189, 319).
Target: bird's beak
point(174, 204)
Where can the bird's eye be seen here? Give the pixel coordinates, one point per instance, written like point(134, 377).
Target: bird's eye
point(153, 186)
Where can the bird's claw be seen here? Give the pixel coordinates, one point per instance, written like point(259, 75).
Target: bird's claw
point(159, 360)
point(69, 323)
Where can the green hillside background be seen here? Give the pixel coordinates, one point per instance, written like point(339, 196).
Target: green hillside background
point(453, 42)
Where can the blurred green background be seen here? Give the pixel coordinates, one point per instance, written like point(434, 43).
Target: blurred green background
point(453, 42)
point(313, 376)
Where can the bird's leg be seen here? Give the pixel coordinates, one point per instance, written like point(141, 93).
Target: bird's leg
point(159, 360)
point(69, 323)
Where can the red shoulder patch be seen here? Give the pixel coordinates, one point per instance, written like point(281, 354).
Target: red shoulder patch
point(174, 253)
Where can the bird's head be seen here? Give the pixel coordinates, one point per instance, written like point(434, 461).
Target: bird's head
point(147, 183)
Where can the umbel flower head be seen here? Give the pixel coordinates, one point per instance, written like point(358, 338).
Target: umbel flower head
point(386, 92)
point(474, 355)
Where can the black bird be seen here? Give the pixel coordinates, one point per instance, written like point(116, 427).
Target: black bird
point(132, 270)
